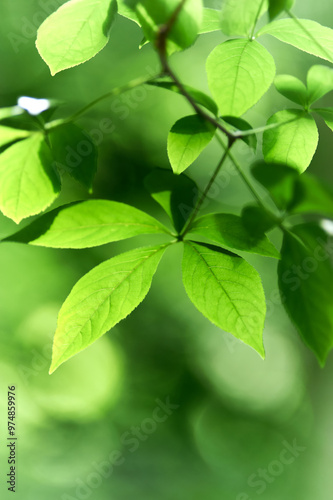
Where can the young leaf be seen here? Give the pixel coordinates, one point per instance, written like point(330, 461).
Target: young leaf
point(188, 137)
point(154, 13)
point(294, 143)
point(292, 88)
point(211, 21)
point(75, 33)
point(240, 124)
point(320, 82)
point(306, 285)
point(28, 184)
point(88, 224)
point(311, 196)
point(75, 153)
point(227, 290)
point(102, 298)
point(327, 115)
point(177, 194)
point(8, 135)
point(198, 96)
point(239, 17)
point(239, 73)
point(277, 6)
point(229, 231)
point(279, 180)
point(304, 34)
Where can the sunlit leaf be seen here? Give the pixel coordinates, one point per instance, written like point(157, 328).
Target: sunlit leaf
point(240, 16)
point(188, 137)
point(239, 73)
point(227, 290)
point(304, 34)
point(88, 224)
point(229, 231)
point(306, 285)
point(292, 144)
point(292, 88)
point(8, 135)
point(102, 298)
point(211, 21)
point(75, 33)
point(320, 82)
point(28, 183)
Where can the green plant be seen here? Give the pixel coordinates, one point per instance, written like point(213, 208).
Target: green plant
point(222, 285)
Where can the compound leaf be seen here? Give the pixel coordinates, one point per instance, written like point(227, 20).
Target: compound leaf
point(102, 298)
point(306, 286)
point(227, 290)
point(75, 33)
point(229, 231)
point(239, 73)
point(88, 224)
point(28, 183)
point(292, 144)
point(188, 137)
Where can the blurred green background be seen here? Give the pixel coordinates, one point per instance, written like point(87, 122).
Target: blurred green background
point(233, 414)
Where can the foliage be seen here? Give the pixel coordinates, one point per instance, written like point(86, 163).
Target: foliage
point(222, 285)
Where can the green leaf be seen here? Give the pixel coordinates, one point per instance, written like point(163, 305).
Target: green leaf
point(279, 181)
point(239, 17)
point(188, 137)
point(154, 13)
point(257, 220)
point(198, 96)
point(8, 135)
point(277, 6)
point(28, 183)
point(304, 34)
point(239, 73)
point(75, 153)
point(240, 124)
point(177, 194)
point(229, 231)
point(311, 196)
point(294, 143)
point(227, 290)
point(102, 298)
point(320, 82)
point(327, 115)
point(126, 11)
point(306, 285)
point(211, 21)
point(88, 224)
point(10, 111)
point(292, 88)
point(75, 33)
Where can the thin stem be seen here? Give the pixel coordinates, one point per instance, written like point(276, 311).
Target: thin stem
point(114, 92)
point(206, 191)
point(252, 131)
point(256, 19)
